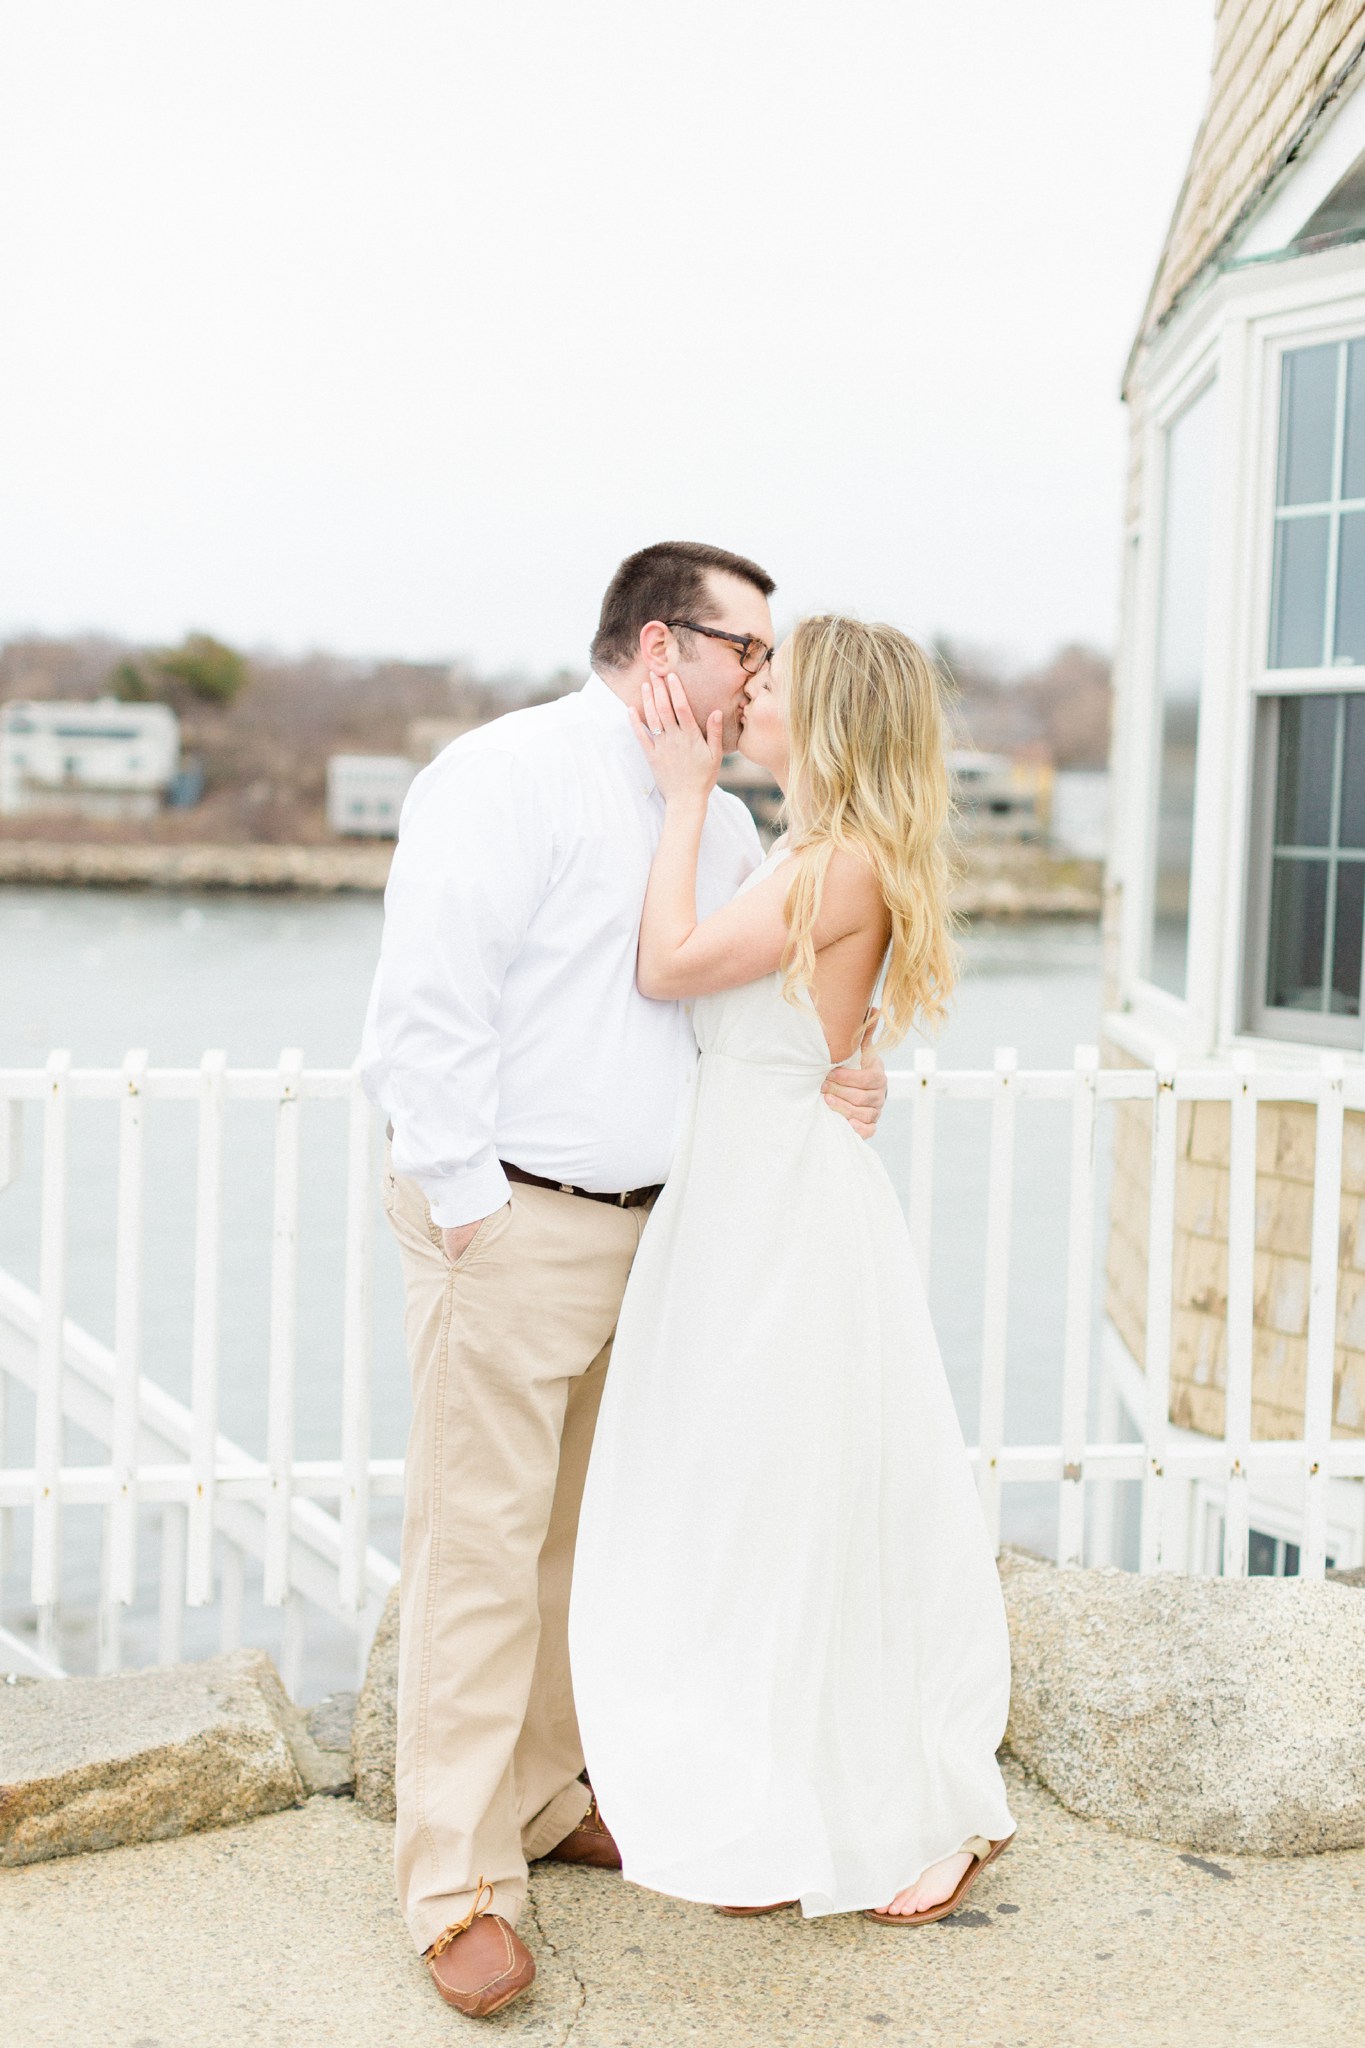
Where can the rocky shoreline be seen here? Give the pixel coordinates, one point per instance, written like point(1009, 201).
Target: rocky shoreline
point(990, 888)
point(322, 870)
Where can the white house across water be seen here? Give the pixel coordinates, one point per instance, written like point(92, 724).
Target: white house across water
point(365, 793)
point(1236, 898)
point(105, 758)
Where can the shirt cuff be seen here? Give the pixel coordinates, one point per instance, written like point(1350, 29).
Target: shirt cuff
point(465, 1197)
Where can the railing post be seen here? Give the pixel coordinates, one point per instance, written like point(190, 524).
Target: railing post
point(1241, 1311)
point(291, 1646)
point(356, 1344)
point(121, 1526)
point(231, 1598)
point(1322, 1313)
point(921, 1205)
point(6, 1527)
point(109, 1643)
point(1080, 1254)
point(284, 1295)
point(995, 1317)
point(47, 1443)
point(204, 1352)
point(171, 1631)
point(11, 1166)
point(11, 1143)
point(1160, 1259)
point(11, 1163)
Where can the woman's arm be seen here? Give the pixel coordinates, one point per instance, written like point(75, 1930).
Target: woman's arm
point(678, 956)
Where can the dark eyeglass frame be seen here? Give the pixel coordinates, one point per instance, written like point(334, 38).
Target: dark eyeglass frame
point(745, 642)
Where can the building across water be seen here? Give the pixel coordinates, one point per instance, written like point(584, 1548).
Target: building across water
point(365, 793)
point(995, 797)
point(106, 759)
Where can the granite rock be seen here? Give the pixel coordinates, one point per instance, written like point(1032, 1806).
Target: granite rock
point(330, 1722)
point(90, 1763)
point(320, 1742)
point(374, 1734)
point(1216, 1714)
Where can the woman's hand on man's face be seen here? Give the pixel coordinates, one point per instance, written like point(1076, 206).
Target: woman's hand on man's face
point(685, 760)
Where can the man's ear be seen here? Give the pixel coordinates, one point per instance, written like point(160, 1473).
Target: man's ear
point(657, 646)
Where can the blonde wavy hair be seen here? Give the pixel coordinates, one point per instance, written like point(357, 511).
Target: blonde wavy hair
point(868, 774)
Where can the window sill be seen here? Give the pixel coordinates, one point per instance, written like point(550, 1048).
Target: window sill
point(1144, 1039)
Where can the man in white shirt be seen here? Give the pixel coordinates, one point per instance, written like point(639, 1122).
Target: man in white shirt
point(533, 1096)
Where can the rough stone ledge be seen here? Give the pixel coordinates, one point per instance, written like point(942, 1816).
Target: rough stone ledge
point(92, 1763)
point(1212, 1714)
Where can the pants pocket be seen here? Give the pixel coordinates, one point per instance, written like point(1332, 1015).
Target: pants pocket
point(477, 1243)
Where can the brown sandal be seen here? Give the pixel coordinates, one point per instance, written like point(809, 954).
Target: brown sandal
point(954, 1899)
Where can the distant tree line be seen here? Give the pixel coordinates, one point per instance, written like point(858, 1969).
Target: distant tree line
point(208, 668)
point(1058, 713)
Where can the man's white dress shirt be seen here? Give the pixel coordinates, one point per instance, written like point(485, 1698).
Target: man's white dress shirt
point(504, 1022)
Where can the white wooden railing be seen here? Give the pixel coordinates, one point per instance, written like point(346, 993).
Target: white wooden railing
point(306, 1522)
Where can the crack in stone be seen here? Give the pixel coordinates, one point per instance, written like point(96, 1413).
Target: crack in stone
point(543, 1938)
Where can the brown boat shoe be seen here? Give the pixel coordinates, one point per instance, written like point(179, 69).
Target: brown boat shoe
point(480, 1964)
point(590, 1842)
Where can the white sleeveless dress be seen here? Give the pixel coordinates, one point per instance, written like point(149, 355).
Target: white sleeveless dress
point(790, 1658)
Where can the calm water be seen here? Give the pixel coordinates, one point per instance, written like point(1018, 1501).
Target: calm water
point(100, 972)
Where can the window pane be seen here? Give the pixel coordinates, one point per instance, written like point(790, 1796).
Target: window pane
point(1179, 678)
point(1260, 1555)
point(1298, 925)
point(1350, 641)
point(1303, 782)
point(1308, 413)
point(1347, 937)
point(1352, 828)
point(1353, 469)
point(1300, 599)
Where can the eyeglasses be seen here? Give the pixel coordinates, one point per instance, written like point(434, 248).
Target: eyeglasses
point(752, 653)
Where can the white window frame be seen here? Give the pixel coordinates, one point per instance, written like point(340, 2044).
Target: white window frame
point(1257, 1021)
point(1143, 737)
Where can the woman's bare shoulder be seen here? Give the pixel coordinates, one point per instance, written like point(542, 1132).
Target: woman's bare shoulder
point(851, 898)
point(852, 881)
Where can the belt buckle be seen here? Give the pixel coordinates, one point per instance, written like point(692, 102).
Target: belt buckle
point(567, 1187)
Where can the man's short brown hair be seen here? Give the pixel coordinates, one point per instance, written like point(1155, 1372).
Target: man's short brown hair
point(665, 581)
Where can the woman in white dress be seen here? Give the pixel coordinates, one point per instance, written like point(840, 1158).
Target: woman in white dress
point(790, 1657)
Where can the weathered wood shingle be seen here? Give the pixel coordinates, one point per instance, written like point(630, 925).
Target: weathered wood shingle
point(1278, 66)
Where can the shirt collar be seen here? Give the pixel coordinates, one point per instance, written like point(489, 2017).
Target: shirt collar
point(604, 707)
point(601, 703)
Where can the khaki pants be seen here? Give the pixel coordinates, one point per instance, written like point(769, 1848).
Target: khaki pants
point(508, 1350)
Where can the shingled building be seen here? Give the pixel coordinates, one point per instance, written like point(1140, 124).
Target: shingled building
point(1236, 893)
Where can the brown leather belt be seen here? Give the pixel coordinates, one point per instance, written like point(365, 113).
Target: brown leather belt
point(633, 1198)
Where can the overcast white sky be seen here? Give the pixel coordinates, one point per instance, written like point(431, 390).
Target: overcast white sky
point(390, 328)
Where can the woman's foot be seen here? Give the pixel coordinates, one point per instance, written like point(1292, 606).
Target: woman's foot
point(937, 1883)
